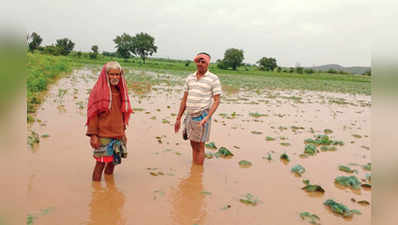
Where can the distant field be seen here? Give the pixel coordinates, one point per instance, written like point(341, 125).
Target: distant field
point(251, 77)
point(44, 69)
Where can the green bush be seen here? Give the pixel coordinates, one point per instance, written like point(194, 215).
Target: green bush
point(42, 70)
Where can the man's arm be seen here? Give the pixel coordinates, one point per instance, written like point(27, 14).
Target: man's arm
point(181, 112)
point(213, 108)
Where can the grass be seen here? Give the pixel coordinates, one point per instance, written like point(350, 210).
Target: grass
point(42, 71)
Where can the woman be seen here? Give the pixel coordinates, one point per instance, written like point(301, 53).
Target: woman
point(108, 113)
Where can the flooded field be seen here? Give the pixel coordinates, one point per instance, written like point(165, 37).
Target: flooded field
point(157, 183)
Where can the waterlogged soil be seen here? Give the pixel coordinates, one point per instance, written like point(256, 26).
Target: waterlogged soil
point(157, 183)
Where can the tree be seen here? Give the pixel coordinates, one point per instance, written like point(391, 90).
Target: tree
point(367, 73)
point(279, 69)
point(110, 54)
point(309, 70)
point(332, 71)
point(299, 70)
point(123, 45)
point(221, 64)
point(65, 46)
point(267, 64)
point(143, 45)
point(233, 58)
point(35, 41)
point(94, 53)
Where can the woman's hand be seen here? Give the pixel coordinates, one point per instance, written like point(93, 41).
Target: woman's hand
point(94, 141)
point(124, 139)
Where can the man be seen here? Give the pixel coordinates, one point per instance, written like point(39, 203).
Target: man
point(108, 113)
point(200, 89)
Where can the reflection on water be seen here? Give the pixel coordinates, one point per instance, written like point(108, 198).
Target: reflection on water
point(106, 204)
point(188, 201)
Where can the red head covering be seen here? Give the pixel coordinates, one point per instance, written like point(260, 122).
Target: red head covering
point(100, 99)
point(202, 56)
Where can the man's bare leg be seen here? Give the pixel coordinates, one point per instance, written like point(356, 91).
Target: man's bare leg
point(198, 152)
point(200, 157)
point(194, 155)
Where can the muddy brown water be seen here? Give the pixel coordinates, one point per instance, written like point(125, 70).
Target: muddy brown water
point(58, 170)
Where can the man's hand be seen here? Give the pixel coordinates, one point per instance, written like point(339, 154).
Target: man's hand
point(204, 120)
point(177, 125)
point(94, 141)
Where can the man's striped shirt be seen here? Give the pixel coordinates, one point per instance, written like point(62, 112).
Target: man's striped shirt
point(201, 92)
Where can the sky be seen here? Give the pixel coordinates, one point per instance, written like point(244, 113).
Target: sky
point(308, 32)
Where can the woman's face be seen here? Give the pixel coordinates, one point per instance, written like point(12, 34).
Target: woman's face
point(114, 76)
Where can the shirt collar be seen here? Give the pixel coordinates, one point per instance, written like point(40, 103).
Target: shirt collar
point(207, 73)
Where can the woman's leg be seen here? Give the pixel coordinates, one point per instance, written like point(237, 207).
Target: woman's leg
point(109, 168)
point(97, 173)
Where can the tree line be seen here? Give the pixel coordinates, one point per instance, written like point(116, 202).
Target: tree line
point(143, 45)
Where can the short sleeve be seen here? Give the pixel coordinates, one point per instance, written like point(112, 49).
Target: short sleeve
point(186, 87)
point(216, 87)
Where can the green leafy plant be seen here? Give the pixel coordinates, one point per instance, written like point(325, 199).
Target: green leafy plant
point(249, 199)
point(269, 157)
point(325, 148)
point(285, 144)
point(310, 149)
point(363, 202)
point(312, 187)
point(368, 166)
point(45, 135)
point(31, 217)
point(322, 139)
point(209, 155)
point(257, 115)
point(298, 169)
point(156, 174)
point(350, 181)
point(211, 145)
point(34, 138)
point(80, 104)
point(223, 152)
point(346, 169)
point(340, 208)
point(268, 138)
point(327, 131)
point(368, 177)
point(366, 185)
point(312, 218)
point(284, 156)
point(245, 163)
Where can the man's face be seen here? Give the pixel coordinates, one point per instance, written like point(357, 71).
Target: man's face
point(201, 65)
point(114, 76)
